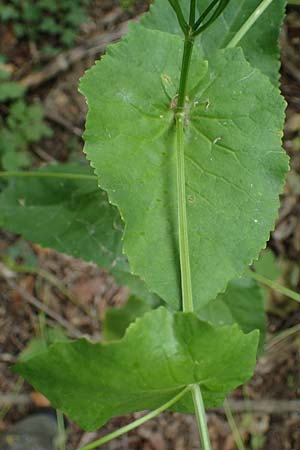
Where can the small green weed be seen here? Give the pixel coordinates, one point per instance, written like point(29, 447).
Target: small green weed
point(51, 25)
point(21, 124)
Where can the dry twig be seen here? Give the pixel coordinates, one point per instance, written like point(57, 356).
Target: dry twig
point(62, 62)
point(72, 331)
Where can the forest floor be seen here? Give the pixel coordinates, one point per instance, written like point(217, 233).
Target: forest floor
point(79, 293)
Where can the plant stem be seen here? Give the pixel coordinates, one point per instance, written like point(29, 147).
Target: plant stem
point(36, 174)
point(185, 269)
point(205, 14)
point(275, 286)
point(234, 429)
point(180, 17)
point(220, 8)
point(201, 417)
point(136, 423)
point(283, 335)
point(192, 13)
point(186, 279)
point(185, 68)
point(61, 436)
point(249, 23)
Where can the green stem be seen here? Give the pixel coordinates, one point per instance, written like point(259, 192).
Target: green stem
point(61, 436)
point(192, 13)
point(185, 269)
point(36, 174)
point(234, 429)
point(249, 23)
point(185, 68)
point(186, 280)
point(275, 286)
point(201, 417)
point(136, 423)
point(205, 14)
point(283, 335)
point(180, 17)
point(220, 8)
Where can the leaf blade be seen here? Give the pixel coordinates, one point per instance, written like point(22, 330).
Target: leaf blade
point(233, 147)
point(260, 45)
point(241, 303)
point(154, 373)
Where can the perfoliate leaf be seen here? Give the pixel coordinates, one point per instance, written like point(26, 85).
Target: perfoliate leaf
point(95, 382)
point(234, 162)
point(241, 303)
point(260, 44)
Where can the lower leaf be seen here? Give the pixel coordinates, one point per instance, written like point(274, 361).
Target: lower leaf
point(160, 354)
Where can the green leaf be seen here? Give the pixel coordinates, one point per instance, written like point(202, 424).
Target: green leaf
point(13, 159)
point(23, 126)
point(95, 382)
point(117, 320)
point(70, 216)
point(122, 274)
point(10, 90)
point(8, 12)
point(22, 251)
point(241, 303)
point(234, 162)
point(27, 121)
point(260, 44)
point(267, 265)
point(39, 345)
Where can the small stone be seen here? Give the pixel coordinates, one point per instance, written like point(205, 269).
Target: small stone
point(36, 432)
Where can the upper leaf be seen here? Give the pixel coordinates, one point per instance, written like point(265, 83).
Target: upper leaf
point(260, 44)
point(95, 382)
point(234, 162)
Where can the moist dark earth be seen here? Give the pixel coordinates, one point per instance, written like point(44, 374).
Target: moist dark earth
point(270, 417)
